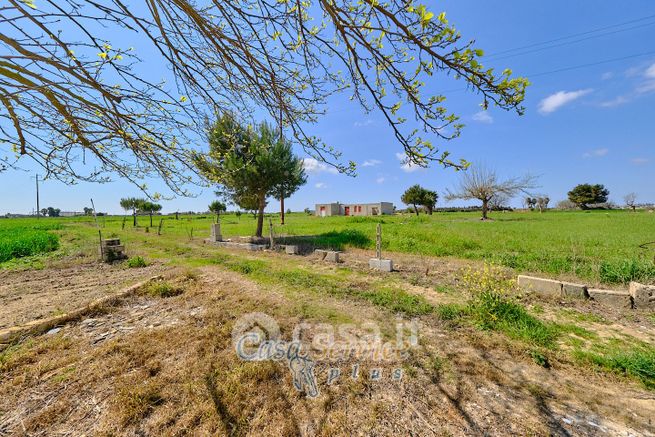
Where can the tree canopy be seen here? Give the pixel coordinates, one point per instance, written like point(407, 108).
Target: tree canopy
point(217, 207)
point(248, 163)
point(483, 184)
point(584, 195)
point(85, 109)
point(417, 196)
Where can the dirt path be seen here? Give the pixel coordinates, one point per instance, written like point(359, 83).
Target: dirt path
point(35, 294)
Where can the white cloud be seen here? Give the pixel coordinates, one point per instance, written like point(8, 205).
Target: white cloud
point(646, 87)
point(380, 180)
point(406, 166)
point(555, 101)
point(320, 185)
point(483, 117)
point(620, 100)
point(363, 123)
point(371, 163)
point(640, 161)
point(607, 75)
point(596, 153)
point(313, 166)
point(650, 72)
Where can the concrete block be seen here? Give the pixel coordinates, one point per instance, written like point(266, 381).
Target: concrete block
point(385, 265)
point(332, 256)
point(643, 296)
point(542, 286)
point(574, 290)
point(291, 250)
point(321, 253)
point(616, 299)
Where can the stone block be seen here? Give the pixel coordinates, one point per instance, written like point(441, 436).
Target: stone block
point(321, 253)
point(616, 299)
point(547, 287)
point(643, 296)
point(291, 249)
point(332, 256)
point(385, 265)
point(574, 290)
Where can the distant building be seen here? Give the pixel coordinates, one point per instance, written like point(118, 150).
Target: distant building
point(70, 213)
point(353, 209)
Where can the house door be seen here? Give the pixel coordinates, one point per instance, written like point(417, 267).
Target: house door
point(347, 210)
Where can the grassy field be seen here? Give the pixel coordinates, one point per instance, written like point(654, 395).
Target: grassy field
point(24, 238)
point(595, 246)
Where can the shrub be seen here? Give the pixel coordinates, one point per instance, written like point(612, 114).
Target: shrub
point(136, 262)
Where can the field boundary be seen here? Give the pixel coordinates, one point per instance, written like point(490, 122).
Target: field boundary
point(638, 296)
point(14, 334)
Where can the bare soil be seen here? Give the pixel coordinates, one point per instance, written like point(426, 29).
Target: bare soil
point(27, 295)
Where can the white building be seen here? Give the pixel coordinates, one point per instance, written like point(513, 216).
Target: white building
point(353, 209)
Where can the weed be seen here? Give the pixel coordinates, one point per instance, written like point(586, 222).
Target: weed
point(638, 362)
point(450, 311)
point(539, 358)
point(136, 262)
point(162, 289)
point(490, 310)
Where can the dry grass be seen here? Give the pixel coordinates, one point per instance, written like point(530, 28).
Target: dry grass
point(176, 373)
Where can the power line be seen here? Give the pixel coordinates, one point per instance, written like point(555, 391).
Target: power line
point(599, 29)
point(566, 43)
point(591, 64)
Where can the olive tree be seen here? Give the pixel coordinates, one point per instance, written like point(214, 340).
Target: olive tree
point(83, 107)
point(483, 184)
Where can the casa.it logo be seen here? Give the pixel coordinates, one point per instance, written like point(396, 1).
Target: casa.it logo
point(256, 337)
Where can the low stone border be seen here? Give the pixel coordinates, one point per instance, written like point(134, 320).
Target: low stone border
point(233, 245)
point(36, 327)
point(638, 296)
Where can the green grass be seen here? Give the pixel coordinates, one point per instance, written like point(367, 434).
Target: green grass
point(21, 239)
point(636, 362)
point(490, 310)
point(334, 285)
point(595, 246)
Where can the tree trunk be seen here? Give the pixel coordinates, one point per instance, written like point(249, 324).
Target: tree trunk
point(151, 219)
point(282, 208)
point(416, 210)
point(260, 216)
point(485, 209)
point(429, 211)
point(134, 216)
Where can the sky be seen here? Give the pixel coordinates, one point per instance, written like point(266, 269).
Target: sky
point(591, 124)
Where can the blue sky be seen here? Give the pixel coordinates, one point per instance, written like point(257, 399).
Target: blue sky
point(594, 124)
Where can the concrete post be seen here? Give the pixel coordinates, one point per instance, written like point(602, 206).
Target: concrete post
point(216, 232)
point(378, 241)
point(377, 263)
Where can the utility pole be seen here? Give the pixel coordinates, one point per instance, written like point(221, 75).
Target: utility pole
point(38, 208)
